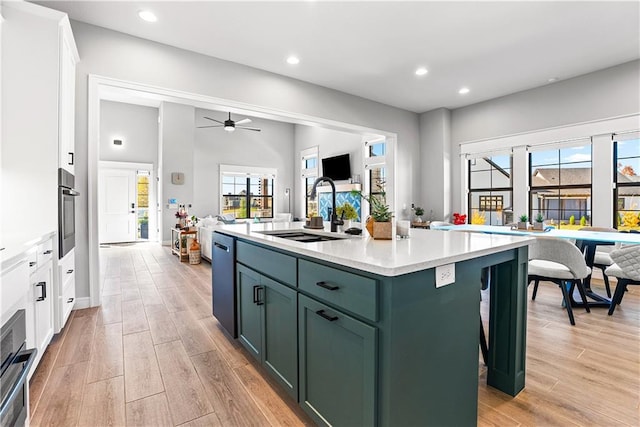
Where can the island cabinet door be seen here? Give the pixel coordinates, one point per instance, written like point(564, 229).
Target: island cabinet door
point(280, 334)
point(337, 366)
point(249, 310)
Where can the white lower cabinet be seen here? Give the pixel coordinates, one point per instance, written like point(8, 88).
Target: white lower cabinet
point(67, 289)
point(40, 308)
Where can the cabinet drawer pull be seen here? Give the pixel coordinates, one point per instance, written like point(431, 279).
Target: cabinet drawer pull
point(223, 247)
point(32, 263)
point(69, 271)
point(256, 295)
point(70, 300)
point(328, 286)
point(47, 252)
point(43, 295)
point(71, 158)
point(321, 313)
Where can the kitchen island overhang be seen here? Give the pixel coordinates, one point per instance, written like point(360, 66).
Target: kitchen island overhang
point(425, 362)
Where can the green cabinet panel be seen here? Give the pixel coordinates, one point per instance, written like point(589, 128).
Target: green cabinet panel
point(268, 262)
point(249, 313)
point(337, 366)
point(267, 325)
point(280, 334)
point(352, 292)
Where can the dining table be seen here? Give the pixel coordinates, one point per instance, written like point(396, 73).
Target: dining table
point(586, 240)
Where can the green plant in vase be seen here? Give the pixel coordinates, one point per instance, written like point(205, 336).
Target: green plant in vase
point(347, 212)
point(418, 211)
point(539, 223)
point(379, 222)
point(523, 223)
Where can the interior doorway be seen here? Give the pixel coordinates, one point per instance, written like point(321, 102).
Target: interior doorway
point(125, 195)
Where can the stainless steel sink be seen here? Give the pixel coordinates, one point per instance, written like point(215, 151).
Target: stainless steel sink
point(301, 236)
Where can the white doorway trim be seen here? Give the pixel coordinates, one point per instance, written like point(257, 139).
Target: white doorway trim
point(101, 87)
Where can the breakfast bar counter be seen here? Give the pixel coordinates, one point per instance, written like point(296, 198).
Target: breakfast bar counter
point(380, 332)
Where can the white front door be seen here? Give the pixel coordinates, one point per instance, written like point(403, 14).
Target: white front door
point(117, 204)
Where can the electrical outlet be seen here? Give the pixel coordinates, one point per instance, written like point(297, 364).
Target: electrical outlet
point(445, 275)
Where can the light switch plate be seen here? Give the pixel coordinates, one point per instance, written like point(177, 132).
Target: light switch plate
point(445, 275)
point(177, 178)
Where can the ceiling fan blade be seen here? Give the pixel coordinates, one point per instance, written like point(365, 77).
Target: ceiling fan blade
point(212, 126)
point(243, 122)
point(253, 129)
point(217, 121)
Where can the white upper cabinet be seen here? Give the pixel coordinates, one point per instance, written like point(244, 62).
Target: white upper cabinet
point(68, 60)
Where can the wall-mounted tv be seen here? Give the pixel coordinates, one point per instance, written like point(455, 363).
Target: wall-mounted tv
point(337, 167)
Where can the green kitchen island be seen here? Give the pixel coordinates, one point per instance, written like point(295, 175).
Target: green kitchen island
point(365, 332)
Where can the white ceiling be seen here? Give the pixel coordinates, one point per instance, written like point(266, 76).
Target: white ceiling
point(371, 49)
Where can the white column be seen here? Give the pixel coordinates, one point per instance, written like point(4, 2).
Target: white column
point(602, 181)
point(520, 177)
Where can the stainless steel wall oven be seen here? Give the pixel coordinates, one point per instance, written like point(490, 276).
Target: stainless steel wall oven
point(66, 212)
point(16, 362)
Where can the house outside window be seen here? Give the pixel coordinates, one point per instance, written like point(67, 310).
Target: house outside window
point(627, 182)
point(560, 182)
point(247, 192)
point(377, 165)
point(490, 189)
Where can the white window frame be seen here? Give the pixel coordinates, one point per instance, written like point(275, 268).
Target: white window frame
point(307, 154)
point(388, 162)
point(249, 172)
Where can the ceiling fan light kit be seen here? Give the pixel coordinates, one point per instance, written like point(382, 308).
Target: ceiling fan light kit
point(230, 125)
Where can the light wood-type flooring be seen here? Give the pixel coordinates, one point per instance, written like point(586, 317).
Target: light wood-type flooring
point(153, 355)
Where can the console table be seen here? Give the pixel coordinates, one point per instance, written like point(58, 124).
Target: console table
point(180, 242)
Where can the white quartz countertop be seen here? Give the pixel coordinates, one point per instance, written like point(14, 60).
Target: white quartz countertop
point(424, 249)
point(15, 245)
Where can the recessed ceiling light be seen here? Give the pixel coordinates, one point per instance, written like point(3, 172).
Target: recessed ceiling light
point(293, 60)
point(421, 71)
point(463, 90)
point(147, 15)
point(552, 80)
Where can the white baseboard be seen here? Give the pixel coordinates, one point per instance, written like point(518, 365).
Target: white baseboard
point(84, 302)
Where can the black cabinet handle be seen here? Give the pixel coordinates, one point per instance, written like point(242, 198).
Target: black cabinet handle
point(70, 300)
point(255, 294)
point(259, 298)
point(328, 286)
point(223, 247)
point(71, 162)
point(43, 295)
point(69, 271)
point(322, 314)
point(32, 263)
point(47, 252)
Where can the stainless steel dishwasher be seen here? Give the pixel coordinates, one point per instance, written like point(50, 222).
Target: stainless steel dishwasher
point(223, 281)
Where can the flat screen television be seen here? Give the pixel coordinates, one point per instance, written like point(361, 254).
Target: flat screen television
point(337, 167)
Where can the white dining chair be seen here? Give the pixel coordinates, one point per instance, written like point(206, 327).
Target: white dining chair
point(436, 224)
point(626, 269)
point(602, 258)
point(558, 261)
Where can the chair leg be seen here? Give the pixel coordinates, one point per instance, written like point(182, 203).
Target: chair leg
point(567, 302)
point(583, 295)
point(617, 295)
point(483, 344)
point(535, 289)
point(606, 282)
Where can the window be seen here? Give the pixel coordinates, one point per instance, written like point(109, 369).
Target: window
point(626, 153)
point(309, 173)
point(377, 165)
point(490, 189)
point(560, 181)
point(247, 194)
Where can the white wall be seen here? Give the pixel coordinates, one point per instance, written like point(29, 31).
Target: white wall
point(177, 145)
point(136, 125)
point(112, 54)
point(272, 147)
point(436, 160)
point(330, 143)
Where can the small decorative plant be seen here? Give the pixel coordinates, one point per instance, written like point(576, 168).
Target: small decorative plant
point(379, 226)
point(524, 218)
point(347, 211)
point(539, 224)
point(523, 223)
point(583, 221)
point(539, 217)
point(418, 211)
point(572, 220)
point(478, 218)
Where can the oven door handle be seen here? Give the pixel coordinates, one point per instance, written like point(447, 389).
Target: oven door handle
point(27, 356)
point(68, 192)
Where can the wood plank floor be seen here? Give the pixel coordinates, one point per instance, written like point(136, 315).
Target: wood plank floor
point(153, 355)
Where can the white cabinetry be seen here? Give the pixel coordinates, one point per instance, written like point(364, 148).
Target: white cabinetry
point(68, 60)
point(40, 302)
point(67, 289)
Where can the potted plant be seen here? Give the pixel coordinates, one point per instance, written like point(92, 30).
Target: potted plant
point(523, 223)
point(348, 213)
point(539, 223)
point(379, 223)
point(418, 211)
point(144, 227)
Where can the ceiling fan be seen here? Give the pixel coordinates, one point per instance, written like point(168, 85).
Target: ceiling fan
point(230, 125)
